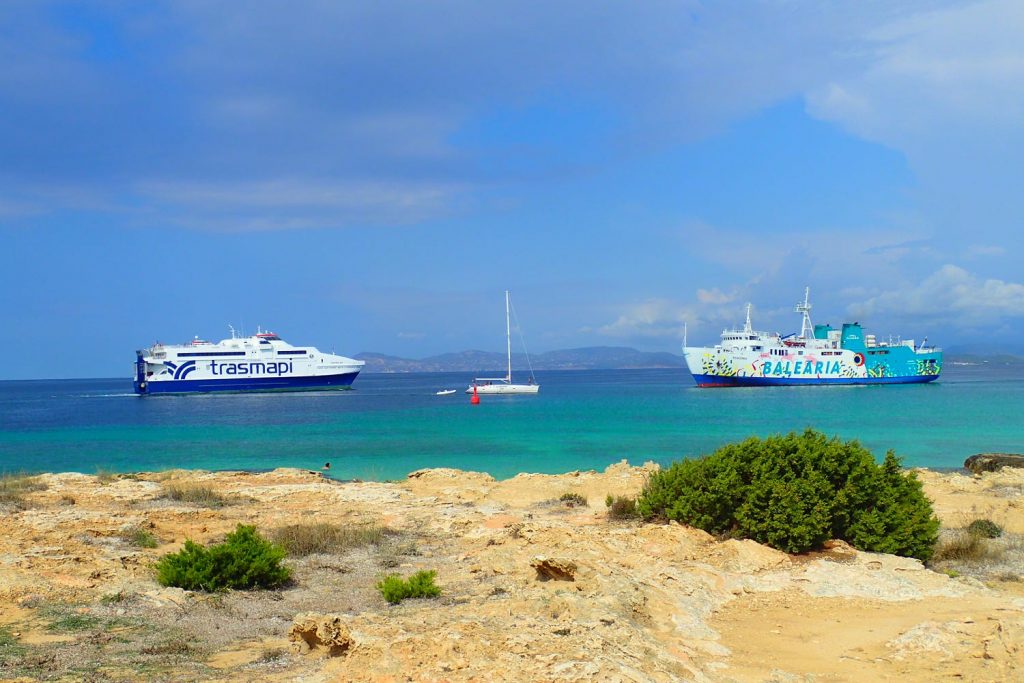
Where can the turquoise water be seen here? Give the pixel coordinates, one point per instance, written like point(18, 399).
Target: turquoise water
point(390, 425)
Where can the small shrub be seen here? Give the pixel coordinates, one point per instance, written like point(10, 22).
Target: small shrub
point(985, 528)
point(419, 585)
point(306, 539)
point(195, 494)
point(105, 476)
point(67, 499)
point(621, 507)
point(573, 500)
point(244, 560)
point(963, 545)
point(794, 492)
point(139, 537)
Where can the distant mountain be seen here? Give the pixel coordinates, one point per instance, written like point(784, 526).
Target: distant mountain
point(487, 362)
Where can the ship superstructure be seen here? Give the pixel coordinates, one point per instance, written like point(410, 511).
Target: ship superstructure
point(261, 362)
point(820, 354)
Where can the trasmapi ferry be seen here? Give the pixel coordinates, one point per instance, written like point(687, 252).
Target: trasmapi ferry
point(262, 362)
point(818, 355)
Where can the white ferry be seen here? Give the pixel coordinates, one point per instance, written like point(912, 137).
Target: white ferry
point(262, 362)
point(820, 354)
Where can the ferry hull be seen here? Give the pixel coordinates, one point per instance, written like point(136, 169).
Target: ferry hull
point(720, 381)
point(247, 384)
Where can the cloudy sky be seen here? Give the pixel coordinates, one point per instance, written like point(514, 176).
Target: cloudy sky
point(372, 176)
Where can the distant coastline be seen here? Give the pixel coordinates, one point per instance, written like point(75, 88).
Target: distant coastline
point(587, 358)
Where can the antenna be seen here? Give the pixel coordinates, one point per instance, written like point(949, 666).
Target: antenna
point(806, 327)
point(684, 335)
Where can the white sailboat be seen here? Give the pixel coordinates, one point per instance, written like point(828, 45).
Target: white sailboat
point(504, 385)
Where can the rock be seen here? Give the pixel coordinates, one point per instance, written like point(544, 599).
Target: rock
point(311, 631)
point(991, 462)
point(551, 568)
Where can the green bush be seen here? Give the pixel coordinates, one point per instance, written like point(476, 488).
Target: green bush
point(795, 492)
point(244, 560)
point(984, 528)
point(419, 585)
point(139, 537)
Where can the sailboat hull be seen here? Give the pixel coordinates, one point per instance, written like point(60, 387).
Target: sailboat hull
point(505, 389)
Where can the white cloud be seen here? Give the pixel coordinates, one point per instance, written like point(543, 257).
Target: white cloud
point(952, 296)
point(714, 296)
point(651, 318)
point(960, 65)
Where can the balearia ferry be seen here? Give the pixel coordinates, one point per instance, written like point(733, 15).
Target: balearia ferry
point(819, 355)
point(262, 362)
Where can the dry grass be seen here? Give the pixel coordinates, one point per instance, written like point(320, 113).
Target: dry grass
point(573, 499)
point(332, 539)
point(196, 494)
point(962, 545)
point(621, 507)
point(13, 488)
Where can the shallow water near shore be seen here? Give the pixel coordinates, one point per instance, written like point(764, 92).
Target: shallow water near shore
point(390, 425)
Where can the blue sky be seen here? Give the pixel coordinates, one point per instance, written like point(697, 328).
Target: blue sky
point(372, 176)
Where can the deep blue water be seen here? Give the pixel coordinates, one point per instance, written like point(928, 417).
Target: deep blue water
point(389, 425)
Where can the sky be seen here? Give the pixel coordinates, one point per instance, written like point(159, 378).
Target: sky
point(373, 176)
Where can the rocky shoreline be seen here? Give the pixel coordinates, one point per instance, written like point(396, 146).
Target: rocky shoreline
point(533, 588)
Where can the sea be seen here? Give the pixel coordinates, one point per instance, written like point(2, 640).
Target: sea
point(391, 424)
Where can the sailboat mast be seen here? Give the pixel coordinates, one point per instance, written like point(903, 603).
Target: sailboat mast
point(508, 339)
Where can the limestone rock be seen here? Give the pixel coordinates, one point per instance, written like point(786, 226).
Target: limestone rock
point(991, 462)
point(552, 568)
point(311, 632)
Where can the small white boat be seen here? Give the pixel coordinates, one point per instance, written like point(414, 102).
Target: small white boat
point(445, 392)
point(504, 385)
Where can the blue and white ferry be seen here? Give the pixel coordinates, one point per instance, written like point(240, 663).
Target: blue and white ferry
point(818, 355)
point(262, 362)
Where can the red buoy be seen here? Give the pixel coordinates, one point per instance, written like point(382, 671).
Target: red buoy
point(475, 398)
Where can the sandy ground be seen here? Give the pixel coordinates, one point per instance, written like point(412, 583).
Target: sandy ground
point(647, 602)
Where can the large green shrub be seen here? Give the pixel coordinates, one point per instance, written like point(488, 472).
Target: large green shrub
point(796, 491)
point(244, 560)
